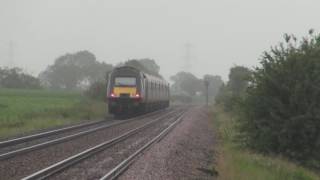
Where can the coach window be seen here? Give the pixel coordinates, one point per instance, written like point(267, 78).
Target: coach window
point(167, 90)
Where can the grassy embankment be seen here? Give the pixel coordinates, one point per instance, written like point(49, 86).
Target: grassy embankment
point(236, 163)
point(28, 110)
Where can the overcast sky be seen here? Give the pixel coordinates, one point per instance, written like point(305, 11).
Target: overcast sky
point(221, 32)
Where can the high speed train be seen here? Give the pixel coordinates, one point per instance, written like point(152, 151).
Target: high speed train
point(133, 91)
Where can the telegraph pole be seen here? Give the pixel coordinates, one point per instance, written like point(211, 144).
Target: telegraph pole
point(206, 83)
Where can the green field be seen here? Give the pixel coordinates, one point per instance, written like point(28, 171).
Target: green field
point(28, 110)
point(236, 163)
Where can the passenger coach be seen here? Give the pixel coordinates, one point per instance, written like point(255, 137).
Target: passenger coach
point(132, 91)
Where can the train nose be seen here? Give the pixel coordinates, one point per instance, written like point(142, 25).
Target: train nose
point(124, 91)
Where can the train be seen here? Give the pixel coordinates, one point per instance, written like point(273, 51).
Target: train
point(131, 91)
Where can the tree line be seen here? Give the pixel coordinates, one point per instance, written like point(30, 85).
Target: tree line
point(186, 85)
point(17, 78)
point(81, 70)
point(277, 104)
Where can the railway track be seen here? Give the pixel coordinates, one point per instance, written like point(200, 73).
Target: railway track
point(141, 138)
point(17, 146)
point(24, 139)
point(19, 165)
point(122, 166)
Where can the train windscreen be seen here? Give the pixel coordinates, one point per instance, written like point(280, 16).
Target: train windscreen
point(125, 81)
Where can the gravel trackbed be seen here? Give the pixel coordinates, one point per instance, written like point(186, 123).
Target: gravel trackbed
point(185, 153)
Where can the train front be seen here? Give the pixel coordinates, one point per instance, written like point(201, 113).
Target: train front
point(124, 89)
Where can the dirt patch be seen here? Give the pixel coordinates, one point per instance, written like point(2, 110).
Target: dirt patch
point(186, 153)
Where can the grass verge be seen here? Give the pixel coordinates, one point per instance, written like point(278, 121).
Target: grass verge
point(23, 111)
point(235, 163)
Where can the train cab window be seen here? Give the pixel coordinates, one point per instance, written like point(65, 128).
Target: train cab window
point(125, 81)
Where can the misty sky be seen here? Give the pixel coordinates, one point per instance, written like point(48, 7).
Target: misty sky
point(221, 33)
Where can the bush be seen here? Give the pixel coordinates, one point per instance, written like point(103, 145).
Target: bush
point(97, 91)
point(230, 94)
point(226, 99)
point(281, 110)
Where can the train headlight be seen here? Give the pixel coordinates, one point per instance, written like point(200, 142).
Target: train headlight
point(136, 96)
point(113, 95)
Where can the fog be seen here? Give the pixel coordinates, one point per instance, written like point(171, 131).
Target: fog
point(220, 34)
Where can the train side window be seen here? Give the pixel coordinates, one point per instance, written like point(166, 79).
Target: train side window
point(158, 88)
point(162, 88)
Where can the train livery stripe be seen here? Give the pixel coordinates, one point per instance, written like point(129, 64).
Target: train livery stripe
point(125, 90)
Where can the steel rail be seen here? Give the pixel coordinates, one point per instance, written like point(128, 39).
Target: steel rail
point(31, 137)
point(120, 168)
point(69, 137)
point(23, 139)
point(61, 165)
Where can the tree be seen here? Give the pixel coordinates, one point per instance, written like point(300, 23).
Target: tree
point(185, 82)
point(150, 65)
point(238, 79)
point(71, 70)
point(281, 110)
point(16, 78)
point(146, 65)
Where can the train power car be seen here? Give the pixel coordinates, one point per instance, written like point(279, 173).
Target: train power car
point(133, 91)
